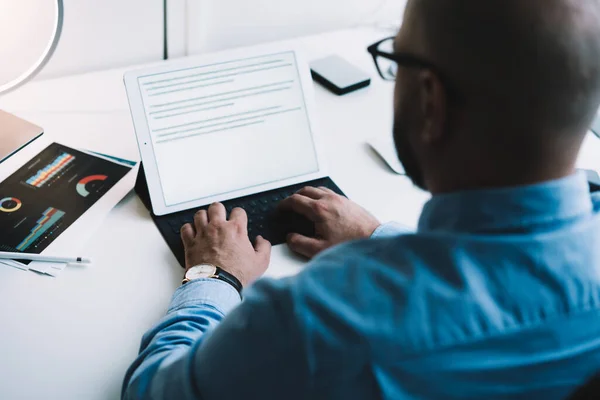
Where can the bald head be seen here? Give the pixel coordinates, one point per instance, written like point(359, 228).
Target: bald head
point(516, 88)
point(538, 60)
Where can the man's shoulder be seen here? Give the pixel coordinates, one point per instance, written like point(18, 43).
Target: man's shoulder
point(357, 284)
point(387, 288)
point(358, 262)
point(398, 255)
point(363, 257)
point(382, 291)
point(352, 264)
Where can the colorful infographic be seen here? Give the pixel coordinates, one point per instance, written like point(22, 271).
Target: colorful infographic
point(49, 193)
point(92, 182)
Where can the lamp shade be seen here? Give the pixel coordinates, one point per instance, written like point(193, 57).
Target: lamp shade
point(30, 30)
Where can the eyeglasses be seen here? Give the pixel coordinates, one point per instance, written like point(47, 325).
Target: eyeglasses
point(387, 60)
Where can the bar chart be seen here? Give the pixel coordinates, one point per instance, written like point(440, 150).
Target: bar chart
point(51, 171)
point(49, 218)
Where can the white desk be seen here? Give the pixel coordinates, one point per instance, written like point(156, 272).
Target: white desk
point(73, 337)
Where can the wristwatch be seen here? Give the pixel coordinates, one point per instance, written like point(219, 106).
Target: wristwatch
point(204, 271)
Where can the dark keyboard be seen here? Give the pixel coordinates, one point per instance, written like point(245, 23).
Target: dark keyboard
point(264, 217)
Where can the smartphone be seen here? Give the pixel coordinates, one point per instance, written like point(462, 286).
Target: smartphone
point(596, 125)
point(338, 75)
point(593, 180)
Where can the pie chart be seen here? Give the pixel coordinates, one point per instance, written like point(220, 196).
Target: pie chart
point(10, 204)
point(90, 184)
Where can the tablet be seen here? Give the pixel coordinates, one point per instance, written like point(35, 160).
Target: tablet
point(225, 125)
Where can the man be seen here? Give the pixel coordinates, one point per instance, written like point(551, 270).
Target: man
point(497, 295)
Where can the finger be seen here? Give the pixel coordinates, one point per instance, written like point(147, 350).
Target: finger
point(312, 192)
point(217, 212)
point(308, 247)
point(187, 235)
point(263, 247)
point(300, 204)
point(327, 190)
point(239, 216)
point(200, 220)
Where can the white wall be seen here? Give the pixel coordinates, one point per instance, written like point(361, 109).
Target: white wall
point(197, 26)
point(100, 34)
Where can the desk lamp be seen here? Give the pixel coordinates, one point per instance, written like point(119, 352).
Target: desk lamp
point(30, 30)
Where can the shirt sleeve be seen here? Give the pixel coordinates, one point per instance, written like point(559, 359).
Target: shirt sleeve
point(187, 356)
point(390, 229)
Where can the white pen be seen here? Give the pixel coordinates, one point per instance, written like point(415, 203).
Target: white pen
point(38, 257)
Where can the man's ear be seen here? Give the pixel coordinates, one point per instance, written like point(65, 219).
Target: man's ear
point(433, 107)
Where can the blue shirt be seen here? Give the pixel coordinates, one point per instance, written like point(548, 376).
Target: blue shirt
point(496, 295)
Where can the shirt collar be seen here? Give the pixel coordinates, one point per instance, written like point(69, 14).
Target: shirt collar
point(512, 209)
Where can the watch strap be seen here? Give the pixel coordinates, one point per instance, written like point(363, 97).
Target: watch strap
point(229, 278)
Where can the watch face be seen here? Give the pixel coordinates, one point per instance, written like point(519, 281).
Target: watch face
point(201, 271)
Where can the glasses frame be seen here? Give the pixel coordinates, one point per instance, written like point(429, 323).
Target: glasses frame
point(411, 61)
point(403, 59)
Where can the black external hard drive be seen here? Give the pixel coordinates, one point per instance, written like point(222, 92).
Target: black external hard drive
point(338, 75)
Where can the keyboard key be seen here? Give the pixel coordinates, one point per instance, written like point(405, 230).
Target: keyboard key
point(182, 220)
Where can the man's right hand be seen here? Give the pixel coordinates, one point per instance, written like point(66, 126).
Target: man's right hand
point(336, 220)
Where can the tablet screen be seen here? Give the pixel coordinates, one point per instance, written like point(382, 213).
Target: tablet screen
point(223, 127)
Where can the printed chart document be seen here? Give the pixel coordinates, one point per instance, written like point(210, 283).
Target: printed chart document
point(245, 119)
point(48, 194)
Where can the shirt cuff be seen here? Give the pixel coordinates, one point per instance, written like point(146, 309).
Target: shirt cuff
point(210, 291)
point(390, 229)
